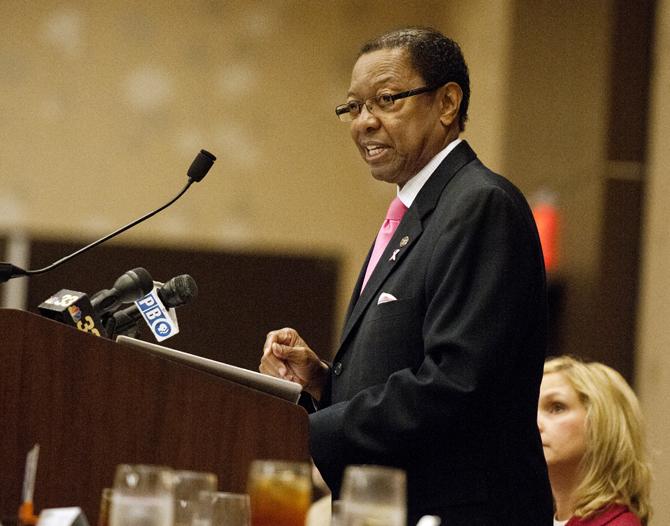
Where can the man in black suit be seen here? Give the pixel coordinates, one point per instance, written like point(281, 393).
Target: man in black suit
point(440, 361)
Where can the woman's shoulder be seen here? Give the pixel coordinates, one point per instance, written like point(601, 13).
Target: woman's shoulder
point(614, 515)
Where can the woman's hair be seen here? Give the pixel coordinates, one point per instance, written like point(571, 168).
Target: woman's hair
point(614, 466)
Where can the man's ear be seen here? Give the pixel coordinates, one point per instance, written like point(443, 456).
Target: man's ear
point(452, 95)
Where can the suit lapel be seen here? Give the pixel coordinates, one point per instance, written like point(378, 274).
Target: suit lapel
point(359, 283)
point(404, 238)
point(406, 235)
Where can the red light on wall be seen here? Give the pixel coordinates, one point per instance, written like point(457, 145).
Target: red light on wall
point(547, 220)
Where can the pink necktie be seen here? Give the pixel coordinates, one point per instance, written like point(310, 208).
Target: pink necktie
point(393, 216)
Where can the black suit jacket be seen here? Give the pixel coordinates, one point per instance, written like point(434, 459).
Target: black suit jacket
point(444, 381)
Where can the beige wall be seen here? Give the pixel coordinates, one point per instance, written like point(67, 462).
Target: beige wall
point(654, 338)
point(557, 135)
point(104, 105)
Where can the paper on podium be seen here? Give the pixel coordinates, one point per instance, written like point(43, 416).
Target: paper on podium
point(268, 384)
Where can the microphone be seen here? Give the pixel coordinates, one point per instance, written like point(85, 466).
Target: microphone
point(173, 293)
point(133, 285)
point(196, 172)
point(73, 308)
point(78, 310)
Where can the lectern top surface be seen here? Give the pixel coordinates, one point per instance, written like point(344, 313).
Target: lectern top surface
point(268, 384)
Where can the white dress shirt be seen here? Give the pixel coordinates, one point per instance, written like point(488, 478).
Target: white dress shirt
point(408, 193)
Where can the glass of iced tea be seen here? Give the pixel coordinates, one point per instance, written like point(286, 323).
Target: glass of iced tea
point(280, 492)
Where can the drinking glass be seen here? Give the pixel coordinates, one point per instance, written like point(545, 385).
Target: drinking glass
point(373, 496)
point(337, 518)
point(280, 492)
point(187, 488)
point(225, 509)
point(143, 495)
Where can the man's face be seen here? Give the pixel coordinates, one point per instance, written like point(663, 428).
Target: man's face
point(561, 419)
point(397, 142)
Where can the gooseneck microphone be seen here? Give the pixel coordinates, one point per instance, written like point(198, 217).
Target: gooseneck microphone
point(196, 173)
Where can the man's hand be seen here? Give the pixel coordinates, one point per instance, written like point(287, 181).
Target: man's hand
point(287, 356)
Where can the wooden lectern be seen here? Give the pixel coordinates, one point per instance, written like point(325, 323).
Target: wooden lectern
point(92, 404)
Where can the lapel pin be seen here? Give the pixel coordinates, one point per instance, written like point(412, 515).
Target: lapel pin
point(404, 241)
point(395, 253)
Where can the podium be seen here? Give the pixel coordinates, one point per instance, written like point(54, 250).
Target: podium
point(92, 404)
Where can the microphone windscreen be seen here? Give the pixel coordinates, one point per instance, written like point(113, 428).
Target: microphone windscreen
point(133, 285)
point(200, 166)
point(178, 291)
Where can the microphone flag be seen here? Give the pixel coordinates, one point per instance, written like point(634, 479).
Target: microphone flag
point(73, 308)
point(163, 323)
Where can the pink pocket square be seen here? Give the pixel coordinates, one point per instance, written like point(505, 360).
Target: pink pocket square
point(385, 297)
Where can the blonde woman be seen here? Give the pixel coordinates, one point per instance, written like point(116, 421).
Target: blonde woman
point(593, 440)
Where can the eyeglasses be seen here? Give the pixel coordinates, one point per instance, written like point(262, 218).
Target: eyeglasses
point(384, 102)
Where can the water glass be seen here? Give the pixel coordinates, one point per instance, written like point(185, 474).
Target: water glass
point(373, 496)
point(143, 495)
point(225, 509)
point(187, 488)
point(337, 518)
point(280, 492)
